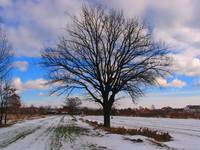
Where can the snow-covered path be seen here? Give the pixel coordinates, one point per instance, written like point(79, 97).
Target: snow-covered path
point(30, 135)
point(185, 132)
point(66, 133)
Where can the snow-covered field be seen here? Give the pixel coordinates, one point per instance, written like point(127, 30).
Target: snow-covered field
point(63, 133)
point(185, 132)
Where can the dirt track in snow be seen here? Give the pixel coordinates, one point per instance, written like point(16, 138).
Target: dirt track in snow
point(28, 134)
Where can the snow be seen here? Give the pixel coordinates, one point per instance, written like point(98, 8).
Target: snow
point(37, 138)
point(39, 134)
point(185, 132)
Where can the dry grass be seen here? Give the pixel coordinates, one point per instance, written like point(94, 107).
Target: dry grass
point(156, 135)
point(12, 119)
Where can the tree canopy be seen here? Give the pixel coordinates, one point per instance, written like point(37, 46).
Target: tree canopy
point(104, 53)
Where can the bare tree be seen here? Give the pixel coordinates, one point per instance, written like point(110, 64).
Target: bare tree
point(5, 66)
point(6, 92)
point(1, 102)
point(72, 105)
point(5, 54)
point(14, 102)
point(105, 53)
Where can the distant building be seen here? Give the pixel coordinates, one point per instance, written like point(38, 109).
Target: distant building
point(192, 108)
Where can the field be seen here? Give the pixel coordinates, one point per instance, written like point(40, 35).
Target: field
point(65, 133)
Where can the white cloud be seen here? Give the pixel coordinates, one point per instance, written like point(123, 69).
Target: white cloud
point(21, 65)
point(5, 2)
point(46, 101)
point(38, 84)
point(40, 23)
point(17, 83)
point(162, 82)
point(130, 7)
point(177, 83)
point(187, 63)
point(174, 83)
point(173, 23)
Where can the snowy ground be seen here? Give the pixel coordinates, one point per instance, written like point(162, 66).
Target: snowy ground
point(63, 133)
point(185, 132)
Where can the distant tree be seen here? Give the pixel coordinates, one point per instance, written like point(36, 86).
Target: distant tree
point(42, 110)
point(141, 108)
point(8, 95)
point(106, 53)
point(14, 103)
point(73, 104)
point(153, 107)
point(32, 110)
point(7, 92)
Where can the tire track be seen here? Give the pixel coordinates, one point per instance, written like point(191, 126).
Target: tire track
point(20, 131)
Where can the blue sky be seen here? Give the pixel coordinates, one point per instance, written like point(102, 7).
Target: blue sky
point(33, 24)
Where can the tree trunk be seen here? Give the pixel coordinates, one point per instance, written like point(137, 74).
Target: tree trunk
point(5, 117)
point(1, 114)
point(106, 115)
point(1, 118)
point(1, 110)
point(5, 110)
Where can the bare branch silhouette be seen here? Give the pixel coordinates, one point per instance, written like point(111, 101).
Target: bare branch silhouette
point(105, 53)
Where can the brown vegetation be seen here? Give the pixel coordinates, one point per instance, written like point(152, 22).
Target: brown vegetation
point(157, 135)
point(165, 112)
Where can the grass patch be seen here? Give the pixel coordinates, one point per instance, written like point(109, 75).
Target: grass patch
point(95, 147)
point(134, 140)
point(67, 133)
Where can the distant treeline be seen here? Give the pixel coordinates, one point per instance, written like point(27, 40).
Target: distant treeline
point(166, 112)
point(145, 112)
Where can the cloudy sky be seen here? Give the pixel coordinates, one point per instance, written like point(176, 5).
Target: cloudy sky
point(33, 24)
